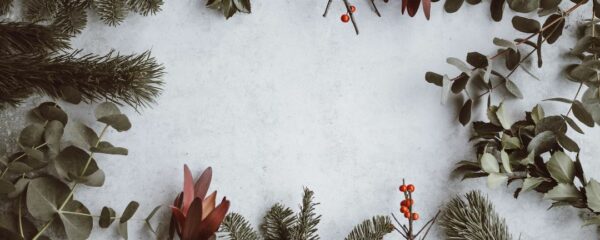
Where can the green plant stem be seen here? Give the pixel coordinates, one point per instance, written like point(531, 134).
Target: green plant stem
point(21, 217)
point(62, 206)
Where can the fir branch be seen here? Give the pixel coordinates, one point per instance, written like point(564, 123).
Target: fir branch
point(40, 10)
point(145, 7)
point(306, 226)
point(473, 219)
point(71, 16)
point(130, 79)
point(278, 222)
point(238, 228)
point(5, 6)
point(372, 229)
point(21, 37)
point(112, 12)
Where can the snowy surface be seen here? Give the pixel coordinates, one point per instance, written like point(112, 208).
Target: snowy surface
point(284, 98)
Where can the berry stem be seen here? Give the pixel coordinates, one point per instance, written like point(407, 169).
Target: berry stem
point(327, 8)
point(351, 16)
point(375, 8)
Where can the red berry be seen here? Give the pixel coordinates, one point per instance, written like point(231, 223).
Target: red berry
point(404, 209)
point(403, 188)
point(404, 203)
point(345, 18)
point(407, 215)
point(415, 216)
point(352, 9)
point(410, 188)
point(410, 202)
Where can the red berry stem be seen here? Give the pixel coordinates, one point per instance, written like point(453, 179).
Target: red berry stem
point(351, 16)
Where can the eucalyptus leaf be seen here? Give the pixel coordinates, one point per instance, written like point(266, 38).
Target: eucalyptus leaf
point(582, 114)
point(88, 134)
point(513, 89)
point(31, 136)
point(106, 109)
point(592, 193)
point(496, 179)
point(73, 161)
point(531, 183)
point(526, 25)
point(561, 167)
point(122, 230)
point(509, 142)
point(71, 94)
point(537, 113)
point(567, 143)
point(76, 220)
point(119, 122)
point(505, 161)
point(459, 64)
point(44, 197)
point(563, 192)
point(434, 78)
point(542, 142)
point(52, 135)
point(19, 167)
point(489, 163)
point(572, 124)
point(445, 89)
point(465, 112)
point(6, 186)
point(505, 43)
point(503, 117)
point(107, 217)
point(129, 211)
point(50, 111)
point(108, 148)
point(452, 6)
point(524, 6)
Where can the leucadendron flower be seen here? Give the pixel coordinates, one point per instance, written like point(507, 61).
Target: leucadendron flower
point(195, 216)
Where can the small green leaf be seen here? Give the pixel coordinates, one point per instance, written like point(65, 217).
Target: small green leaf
point(502, 117)
point(71, 94)
point(107, 148)
point(50, 111)
point(542, 142)
point(122, 230)
point(434, 78)
point(459, 64)
point(19, 167)
point(445, 89)
point(489, 163)
point(505, 43)
point(505, 161)
point(90, 136)
point(526, 25)
point(452, 6)
point(537, 113)
point(496, 179)
point(107, 217)
point(509, 142)
point(531, 183)
point(513, 89)
point(44, 197)
point(561, 167)
point(572, 124)
point(52, 134)
point(31, 136)
point(465, 112)
point(582, 114)
point(6, 186)
point(477, 60)
point(567, 143)
point(592, 193)
point(119, 122)
point(76, 220)
point(562, 192)
point(129, 211)
point(106, 109)
point(524, 6)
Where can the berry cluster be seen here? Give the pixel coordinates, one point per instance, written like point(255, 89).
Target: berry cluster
point(345, 17)
point(408, 231)
point(408, 202)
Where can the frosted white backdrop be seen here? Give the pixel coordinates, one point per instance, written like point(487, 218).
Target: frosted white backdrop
point(284, 99)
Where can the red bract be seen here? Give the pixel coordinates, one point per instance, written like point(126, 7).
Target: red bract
point(195, 216)
point(412, 6)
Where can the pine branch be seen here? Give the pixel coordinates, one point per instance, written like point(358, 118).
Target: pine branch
point(372, 229)
point(40, 10)
point(473, 219)
point(278, 223)
point(21, 37)
point(145, 7)
point(130, 79)
point(112, 12)
point(306, 226)
point(71, 16)
point(5, 6)
point(238, 228)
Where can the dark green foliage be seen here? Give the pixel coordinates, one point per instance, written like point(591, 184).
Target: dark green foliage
point(372, 229)
point(278, 223)
point(130, 79)
point(473, 218)
point(238, 228)
point(71, 16)
point(229, 7)
point(20, 37)
point(5, 6)
point(306, 227)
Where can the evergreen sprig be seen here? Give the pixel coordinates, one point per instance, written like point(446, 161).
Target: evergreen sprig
point(238, 228)
point(21, 37)
point(278, 223)
point(306, 227)
point(473, 218)
point(5, 6)
point(372, 229)
point(130, 79)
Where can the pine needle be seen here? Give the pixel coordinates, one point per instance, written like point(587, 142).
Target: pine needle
point(307, 220)
point(473, 219)
point(21, 37)
point(71, 16)
point(278, 223)
point(131, 79)
point(238, 228)
point(5, 6)
point(145, 7)
point(372, 229)
point(112, 12)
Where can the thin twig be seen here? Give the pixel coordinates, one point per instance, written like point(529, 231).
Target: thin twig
point(375, 8)
point(327, 8)
point(348, 8)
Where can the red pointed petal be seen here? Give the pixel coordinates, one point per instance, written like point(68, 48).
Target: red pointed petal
point(427, 8)
point(404, 4)
point(178, 218)
point(202, 184)
point(188, 189)
point(193, 220)
point(413, 7)
point(211, 224)
point(208, 204)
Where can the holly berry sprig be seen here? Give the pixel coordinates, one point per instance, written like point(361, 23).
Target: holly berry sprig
point(349, 15)
point(407, 209)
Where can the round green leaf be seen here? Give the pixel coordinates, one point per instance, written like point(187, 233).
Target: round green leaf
point(71, 94)
point(119, 122)
point(561, 167)
point(50, 111)
point(106, 109)
point(107, 217)
point(31, 136)
point(44, 196)
point(129, 211)
point(107, 148)
point(76, 220)
point(52, 135)
point(526, 25)
point(524, 6)
point(6, 186)
point(489, 163)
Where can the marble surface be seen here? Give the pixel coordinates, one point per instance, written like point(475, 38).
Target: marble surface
point(284, 99)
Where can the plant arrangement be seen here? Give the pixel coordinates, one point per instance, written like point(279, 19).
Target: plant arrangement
point(195, 215)
point(41, 179)
point(32, 60)
point(230, 7)
point(533, 151)
point(70, 16)
point(472, 217)
point(409, 6)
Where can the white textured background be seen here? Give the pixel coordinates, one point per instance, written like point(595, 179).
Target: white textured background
point(284, 98)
